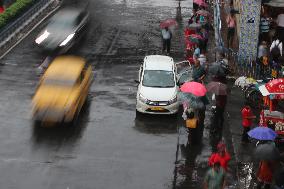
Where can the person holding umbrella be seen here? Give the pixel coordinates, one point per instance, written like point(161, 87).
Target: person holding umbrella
point(268, 156)
point(166, 36)
point(198, 73)
point(265, 174)
point(220, 91)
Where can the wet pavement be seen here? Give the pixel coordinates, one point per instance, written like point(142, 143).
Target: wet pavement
point(108, 147)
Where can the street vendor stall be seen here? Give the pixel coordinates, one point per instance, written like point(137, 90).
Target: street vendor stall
point(273, 115)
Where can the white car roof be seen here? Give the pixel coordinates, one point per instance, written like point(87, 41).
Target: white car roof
point(158, 62)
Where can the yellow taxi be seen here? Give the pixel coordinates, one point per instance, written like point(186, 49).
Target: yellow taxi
point(62, 90)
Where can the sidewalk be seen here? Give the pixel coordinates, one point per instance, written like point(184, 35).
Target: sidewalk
point(242, 152)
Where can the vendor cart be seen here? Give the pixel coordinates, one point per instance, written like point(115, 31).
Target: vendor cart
point(273, 99)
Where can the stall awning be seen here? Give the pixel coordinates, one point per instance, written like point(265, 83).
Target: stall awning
point(276, 3)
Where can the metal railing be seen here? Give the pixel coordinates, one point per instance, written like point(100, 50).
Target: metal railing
point(14, 28)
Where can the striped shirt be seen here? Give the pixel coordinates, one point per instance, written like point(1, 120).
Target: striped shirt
point(264, 25)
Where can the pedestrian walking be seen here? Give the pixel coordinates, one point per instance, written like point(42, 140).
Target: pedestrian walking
point(247, 117)
point(198, 73)
point(262, 59)
point(196, 52)
point(280, 26)
point(222, 156)
point(215, 177)
point(265, 174)
point(205, 36)
point(221, 102)
point(264, 27)
point(167, 36)
point(231, 24)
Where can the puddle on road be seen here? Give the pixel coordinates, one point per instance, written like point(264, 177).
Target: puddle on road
point(246, 175)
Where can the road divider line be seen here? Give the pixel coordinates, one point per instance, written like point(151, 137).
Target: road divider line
point(113, 43)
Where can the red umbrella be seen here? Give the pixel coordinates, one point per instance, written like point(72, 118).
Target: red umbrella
point(200, 3)
point(168, 23)
point(194, 88)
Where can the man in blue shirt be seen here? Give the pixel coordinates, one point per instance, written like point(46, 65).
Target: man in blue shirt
point(167, 36)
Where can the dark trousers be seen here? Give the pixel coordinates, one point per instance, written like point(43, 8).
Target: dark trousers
point(220, 117)
point(230, 36)
point(167, 45)
point(245, 134)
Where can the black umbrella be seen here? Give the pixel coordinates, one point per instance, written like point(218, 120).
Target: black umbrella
point(267, 151)
point(221, 49)
point(216, 69)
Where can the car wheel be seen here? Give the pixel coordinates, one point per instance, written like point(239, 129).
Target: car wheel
point(138, 114)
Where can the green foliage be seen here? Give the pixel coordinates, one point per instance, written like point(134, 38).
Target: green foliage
point(13, 11)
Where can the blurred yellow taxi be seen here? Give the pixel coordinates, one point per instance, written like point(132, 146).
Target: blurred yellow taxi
point(62, 90)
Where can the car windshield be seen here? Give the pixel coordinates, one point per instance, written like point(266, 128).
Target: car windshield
point(58, 82)
point(158, 78)
point(61, 22)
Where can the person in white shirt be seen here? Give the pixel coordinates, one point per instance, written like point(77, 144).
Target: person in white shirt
point(167, 36)
point(280, 27)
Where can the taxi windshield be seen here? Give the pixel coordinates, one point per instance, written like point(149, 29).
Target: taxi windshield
point(59, 82)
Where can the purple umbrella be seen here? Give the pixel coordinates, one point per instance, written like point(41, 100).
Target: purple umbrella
point(262, 133)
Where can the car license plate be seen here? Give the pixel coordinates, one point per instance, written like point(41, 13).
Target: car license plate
point(157, 108)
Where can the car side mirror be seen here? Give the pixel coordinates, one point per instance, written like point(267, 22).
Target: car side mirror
point(137, 81)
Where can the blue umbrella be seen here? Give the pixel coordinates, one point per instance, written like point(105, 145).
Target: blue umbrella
point(262, 133)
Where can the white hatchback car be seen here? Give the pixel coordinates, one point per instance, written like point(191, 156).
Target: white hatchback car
point(157, 89)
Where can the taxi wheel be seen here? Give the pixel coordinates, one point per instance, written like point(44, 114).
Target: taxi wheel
point(37, 123)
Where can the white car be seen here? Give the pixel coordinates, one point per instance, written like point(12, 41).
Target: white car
point(157, 89)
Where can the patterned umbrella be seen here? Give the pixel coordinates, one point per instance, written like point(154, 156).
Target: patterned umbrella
point(192, 100)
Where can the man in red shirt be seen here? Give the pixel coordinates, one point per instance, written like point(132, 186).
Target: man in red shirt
point(247, 117)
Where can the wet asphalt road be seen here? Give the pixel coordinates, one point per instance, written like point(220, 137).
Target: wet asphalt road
point(108, 147)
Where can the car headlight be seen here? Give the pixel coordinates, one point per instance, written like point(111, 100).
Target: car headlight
point(43, 36)
point(69, 37)
point(143, 99)
point(174, 100)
